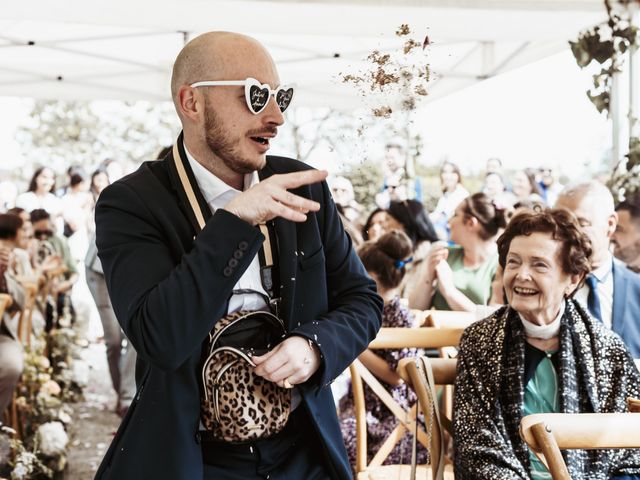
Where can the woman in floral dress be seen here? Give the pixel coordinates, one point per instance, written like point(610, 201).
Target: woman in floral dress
point(385, 261)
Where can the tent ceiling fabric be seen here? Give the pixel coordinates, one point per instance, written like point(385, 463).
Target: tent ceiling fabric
point(107, 49)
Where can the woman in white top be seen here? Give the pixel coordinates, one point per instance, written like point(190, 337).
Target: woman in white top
point(452, 194)
point(40, 195)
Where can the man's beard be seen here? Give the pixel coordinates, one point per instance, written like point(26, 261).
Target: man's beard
point(629, 254)
point(224, 145)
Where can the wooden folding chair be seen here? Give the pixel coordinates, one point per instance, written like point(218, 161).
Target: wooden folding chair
point(423, 375)
point(448, 319)
point(548, 433)
point(392, 338)
point(24, 323)
point(5, 302)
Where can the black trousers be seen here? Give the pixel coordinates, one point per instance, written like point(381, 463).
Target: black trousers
point(295, 453)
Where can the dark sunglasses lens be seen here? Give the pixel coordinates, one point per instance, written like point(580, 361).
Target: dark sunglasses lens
point(283, 98)
point(258, 98)
point(43, 233)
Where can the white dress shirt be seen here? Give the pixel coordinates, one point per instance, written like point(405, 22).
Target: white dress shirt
point(604, 275)
point(217, 195)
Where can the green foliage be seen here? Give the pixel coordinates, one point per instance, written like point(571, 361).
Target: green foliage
point(607, 44)
point(61, 133)
point(366, 179)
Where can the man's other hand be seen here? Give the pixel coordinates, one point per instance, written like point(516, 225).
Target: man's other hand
point(293, 361)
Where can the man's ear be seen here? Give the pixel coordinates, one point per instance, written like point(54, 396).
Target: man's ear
point(190, 103)
point(612, 223)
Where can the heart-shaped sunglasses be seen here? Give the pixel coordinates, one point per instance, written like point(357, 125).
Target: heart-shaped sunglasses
point(256, 94)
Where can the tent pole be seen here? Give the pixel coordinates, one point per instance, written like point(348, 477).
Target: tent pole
point(634, 78)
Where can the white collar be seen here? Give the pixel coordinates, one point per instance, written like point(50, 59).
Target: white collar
point(212, 187)
point(605, 269)
point(544, 332)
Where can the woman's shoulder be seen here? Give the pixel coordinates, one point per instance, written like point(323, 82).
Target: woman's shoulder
point(396, 314)
point(484, 334)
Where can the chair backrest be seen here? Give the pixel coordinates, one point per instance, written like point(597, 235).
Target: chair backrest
point(449, 319)
point(422, 375)
point(24, 323)
point(392, 338)
point(422, 337)
point(5, 302)
point(548, 433)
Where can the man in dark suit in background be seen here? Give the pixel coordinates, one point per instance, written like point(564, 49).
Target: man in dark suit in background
point(169, 285)
point(611, 291)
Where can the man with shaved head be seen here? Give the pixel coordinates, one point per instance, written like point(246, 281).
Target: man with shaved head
point(611, 291)
point(181, 244)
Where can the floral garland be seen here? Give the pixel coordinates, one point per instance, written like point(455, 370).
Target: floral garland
point(52, 378)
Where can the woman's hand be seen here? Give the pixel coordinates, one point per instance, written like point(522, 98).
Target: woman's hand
point(437, 254)
point(444, 274)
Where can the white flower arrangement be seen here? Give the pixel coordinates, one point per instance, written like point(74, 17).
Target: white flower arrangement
point(52, 438)
point(80, 373)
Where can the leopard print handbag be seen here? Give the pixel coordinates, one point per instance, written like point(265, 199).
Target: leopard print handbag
point(237, 405)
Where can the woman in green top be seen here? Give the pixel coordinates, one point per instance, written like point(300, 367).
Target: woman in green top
point(459, 277)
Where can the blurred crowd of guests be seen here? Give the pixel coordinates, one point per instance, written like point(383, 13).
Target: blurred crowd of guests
point(49, 230)
point(447, 259)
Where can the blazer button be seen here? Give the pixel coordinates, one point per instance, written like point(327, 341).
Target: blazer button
point(233, 263)
point(227, 271)
point(243, 245)
point(238, 254)
point(198, 439)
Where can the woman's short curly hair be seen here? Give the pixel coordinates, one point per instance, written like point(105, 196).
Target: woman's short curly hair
point(575, 250)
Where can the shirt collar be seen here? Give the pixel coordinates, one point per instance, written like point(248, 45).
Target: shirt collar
point(604, 270)
point(212, 187)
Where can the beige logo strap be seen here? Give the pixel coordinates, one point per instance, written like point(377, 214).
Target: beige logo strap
point(184, 179)
point(188, 189)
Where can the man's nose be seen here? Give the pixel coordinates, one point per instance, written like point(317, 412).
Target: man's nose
point(272, 115)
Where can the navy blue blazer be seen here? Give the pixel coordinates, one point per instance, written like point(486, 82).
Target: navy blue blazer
point(168, 287)
point(625, 316)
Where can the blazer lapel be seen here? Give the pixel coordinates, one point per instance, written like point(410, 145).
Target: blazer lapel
point(619, 303)
point(286, 243)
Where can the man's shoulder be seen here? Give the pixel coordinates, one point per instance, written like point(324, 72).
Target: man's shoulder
point(621, 270)
point(149, 177)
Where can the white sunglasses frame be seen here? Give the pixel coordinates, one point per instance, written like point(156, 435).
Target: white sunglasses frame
point(248, 83)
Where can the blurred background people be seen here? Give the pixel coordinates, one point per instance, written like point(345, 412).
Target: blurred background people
point(378, 223)
point(385, 261)
point(611, 291)
point(399, 179)
point(495, 188)
point(410, 217)
point(525, 187)
point(626, 238)
point(452, 194)
point(549, 185)
point(39, 195)
point(99, 181)
point(459, 277)
point(349, 210)
point(121, 356)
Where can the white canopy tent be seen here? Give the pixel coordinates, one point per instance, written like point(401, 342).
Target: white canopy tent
point(117, 49)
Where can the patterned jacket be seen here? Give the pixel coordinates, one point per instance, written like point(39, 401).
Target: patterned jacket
point(596, 374)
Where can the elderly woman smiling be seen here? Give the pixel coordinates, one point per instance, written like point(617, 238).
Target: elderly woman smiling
point(540, 353)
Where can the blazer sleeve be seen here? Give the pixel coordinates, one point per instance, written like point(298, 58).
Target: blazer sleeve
point(167, 300)
point(483, 450)
point(355, 309)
